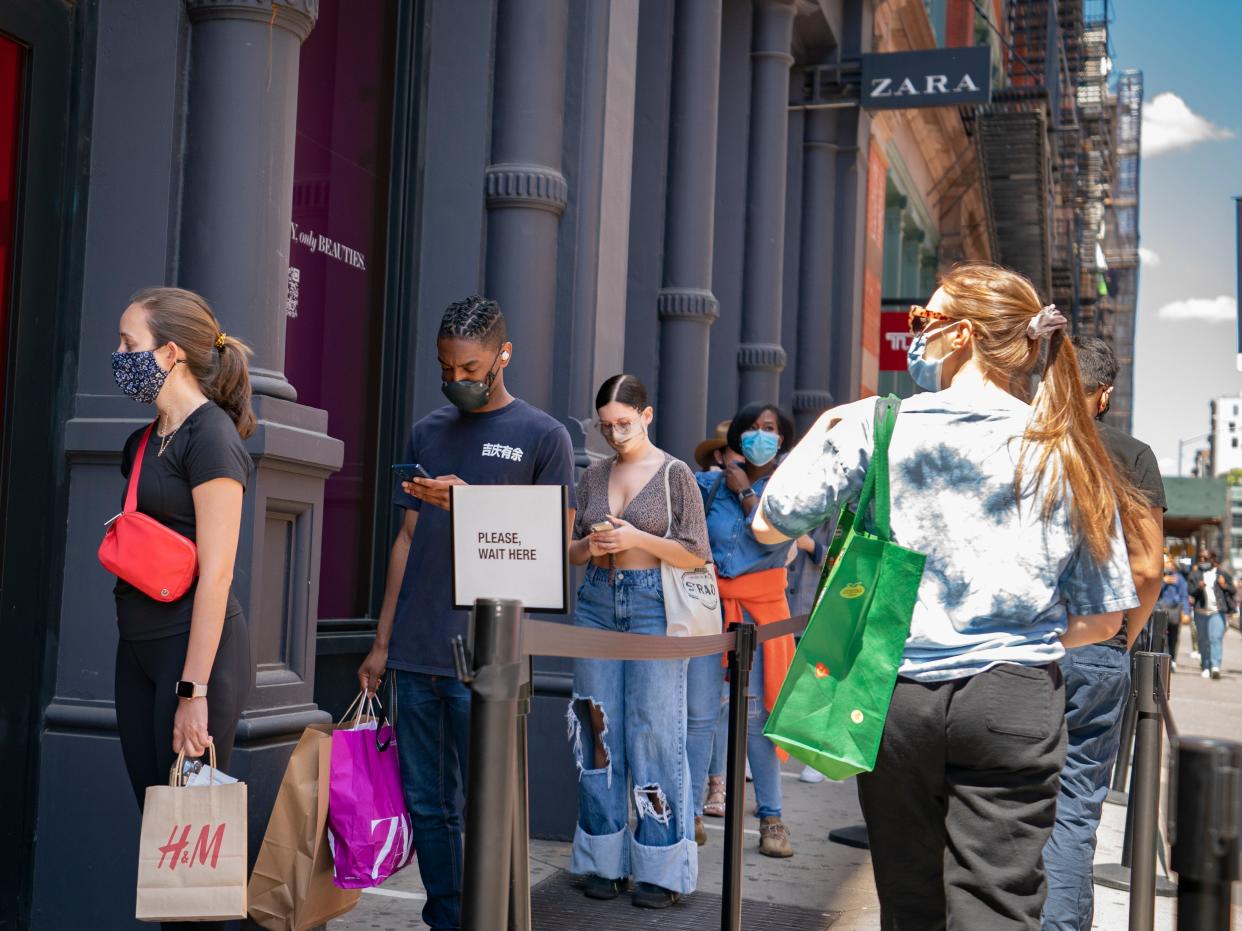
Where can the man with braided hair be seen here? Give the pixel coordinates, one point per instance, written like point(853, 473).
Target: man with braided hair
point(484, 436)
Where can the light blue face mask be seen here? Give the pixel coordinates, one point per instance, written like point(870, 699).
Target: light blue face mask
point(760, 447)
point(924, 371)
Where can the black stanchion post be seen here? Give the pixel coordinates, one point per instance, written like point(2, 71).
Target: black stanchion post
point(1205, 822)
point(1151, 671)
point(735, 791)
point(519, 886)
point(490, 797)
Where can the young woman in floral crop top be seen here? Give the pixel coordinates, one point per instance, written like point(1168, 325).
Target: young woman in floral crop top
point(627, 718)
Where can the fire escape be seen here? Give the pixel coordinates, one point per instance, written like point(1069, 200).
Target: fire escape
point(1031, 142)
point(1121, 242)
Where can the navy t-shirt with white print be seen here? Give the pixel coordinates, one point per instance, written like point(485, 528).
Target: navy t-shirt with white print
point(515, 445)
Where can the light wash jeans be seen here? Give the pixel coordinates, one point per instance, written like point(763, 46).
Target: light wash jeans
point(644, 708)
point(765, 766)
point(1097, 684)
point(707, 724)
point(1211, 629)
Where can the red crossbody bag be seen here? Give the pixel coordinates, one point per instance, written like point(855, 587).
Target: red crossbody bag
point(155, 559)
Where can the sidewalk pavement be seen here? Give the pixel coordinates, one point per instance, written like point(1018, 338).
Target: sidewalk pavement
point(828, 877)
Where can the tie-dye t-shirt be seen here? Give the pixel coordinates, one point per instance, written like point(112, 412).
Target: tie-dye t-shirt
point(999, 580)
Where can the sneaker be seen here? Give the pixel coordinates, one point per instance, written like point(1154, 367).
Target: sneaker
point(1194, 654)
point(1206, 674)
point(774, 838)
point(648, 895)
point(1173, 665)
point(812, 775)
point(597, 887)
point(1215, 672)
point(700, 835)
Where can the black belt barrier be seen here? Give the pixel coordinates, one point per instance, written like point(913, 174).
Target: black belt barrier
point(1205, 820)
point(496, 666)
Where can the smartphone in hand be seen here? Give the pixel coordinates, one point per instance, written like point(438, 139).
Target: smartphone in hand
point(408, 471)
point(602, 526)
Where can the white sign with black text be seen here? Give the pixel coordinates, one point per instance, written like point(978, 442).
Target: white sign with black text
point(510, 541)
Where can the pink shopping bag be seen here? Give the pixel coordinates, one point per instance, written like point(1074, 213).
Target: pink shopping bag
point(369, 828)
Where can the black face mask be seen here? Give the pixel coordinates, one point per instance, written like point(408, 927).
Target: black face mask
point(470, 395)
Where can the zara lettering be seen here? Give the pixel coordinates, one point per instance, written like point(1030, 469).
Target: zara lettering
point(207, 845)
point(933, 84)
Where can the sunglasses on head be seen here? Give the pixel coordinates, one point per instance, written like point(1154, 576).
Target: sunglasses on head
point(920, 318)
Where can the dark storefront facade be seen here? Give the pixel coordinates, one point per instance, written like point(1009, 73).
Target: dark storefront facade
point(627, 177)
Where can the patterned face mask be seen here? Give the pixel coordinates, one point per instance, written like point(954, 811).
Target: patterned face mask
point(138, 375)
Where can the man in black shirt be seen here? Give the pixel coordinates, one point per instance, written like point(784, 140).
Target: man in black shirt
point(1097, 677)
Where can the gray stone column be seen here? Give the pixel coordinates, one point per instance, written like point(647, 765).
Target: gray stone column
point(760, 357)
point(237, 204)
point(237, 201)
point(854, 139)
point(524, 189)
point(819, 160)
point(687, 307)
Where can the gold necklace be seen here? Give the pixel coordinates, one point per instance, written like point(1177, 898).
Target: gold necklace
point(167, 438)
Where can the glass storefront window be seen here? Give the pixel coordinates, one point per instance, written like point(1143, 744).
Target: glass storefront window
point(336, 270)
point(11, 58)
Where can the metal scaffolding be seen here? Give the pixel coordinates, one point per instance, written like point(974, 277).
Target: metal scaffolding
point(1060, 156)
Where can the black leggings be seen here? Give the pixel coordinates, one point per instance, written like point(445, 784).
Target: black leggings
point(146, 675)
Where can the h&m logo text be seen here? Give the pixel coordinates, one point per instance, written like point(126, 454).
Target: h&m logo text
point(207, 845)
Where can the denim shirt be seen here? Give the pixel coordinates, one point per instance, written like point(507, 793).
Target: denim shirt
point(735, 551)
point(1174, 596)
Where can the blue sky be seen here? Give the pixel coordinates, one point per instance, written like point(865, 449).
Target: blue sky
point(1186, 347)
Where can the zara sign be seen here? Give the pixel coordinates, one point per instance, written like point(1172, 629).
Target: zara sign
point(945, 77)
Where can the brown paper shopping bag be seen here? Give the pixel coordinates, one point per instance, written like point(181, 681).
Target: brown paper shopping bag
point(291, 888)
point(192, 853)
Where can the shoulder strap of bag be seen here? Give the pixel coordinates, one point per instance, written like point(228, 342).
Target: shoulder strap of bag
point(135, 470)
point(875, 487)
point(711, 495)
point(668, 497)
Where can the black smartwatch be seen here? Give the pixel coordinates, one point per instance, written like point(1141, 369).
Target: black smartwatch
point(188, 689)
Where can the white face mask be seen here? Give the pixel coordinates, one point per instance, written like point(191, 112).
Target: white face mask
point(925, 372)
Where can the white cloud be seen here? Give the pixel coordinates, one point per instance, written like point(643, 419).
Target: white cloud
point(1221, 309)
point(1149, 257)
point(1169, 124)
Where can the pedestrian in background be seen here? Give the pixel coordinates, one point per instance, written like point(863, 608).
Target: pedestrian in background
point(753, 580)
point(1175, 600)
point(627, 719)
point(1097, 676)
point(183, 668)
point(483, 436)
point(1213, 597)
point(1015, 507)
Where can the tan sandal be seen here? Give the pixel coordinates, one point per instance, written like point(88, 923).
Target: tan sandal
point(714, 807)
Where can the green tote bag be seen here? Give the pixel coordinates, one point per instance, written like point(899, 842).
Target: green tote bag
point(832, 705)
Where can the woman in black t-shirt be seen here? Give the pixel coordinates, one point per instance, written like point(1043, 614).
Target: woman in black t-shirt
point(183, 668)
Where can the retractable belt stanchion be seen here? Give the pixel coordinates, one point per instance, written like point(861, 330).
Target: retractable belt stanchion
point(494, 676)
point(1137, 870)
point(740, 661)
point(1205, 822)
point(519, 886)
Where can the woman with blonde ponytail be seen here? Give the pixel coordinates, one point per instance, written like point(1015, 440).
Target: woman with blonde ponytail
point(1019, 511)
point(183, 668)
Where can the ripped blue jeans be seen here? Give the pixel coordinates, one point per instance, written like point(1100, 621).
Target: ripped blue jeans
point(643, 704)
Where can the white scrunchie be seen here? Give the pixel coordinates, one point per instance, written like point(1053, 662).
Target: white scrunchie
point(1046, 322)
